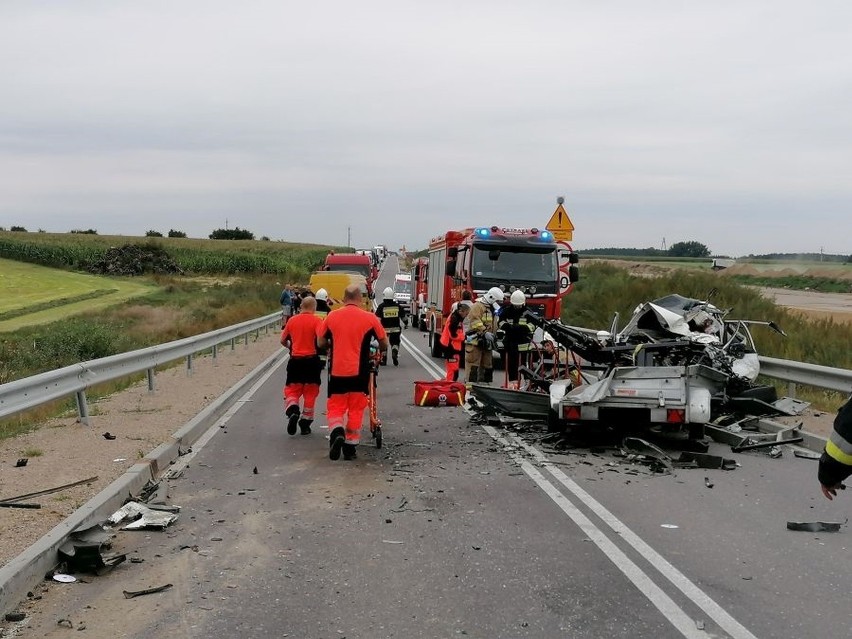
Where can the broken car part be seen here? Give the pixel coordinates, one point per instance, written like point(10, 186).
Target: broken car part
point(130, 594)
point(815, 526)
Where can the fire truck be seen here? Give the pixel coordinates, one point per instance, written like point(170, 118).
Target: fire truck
point(419, 282)
point(477, 259)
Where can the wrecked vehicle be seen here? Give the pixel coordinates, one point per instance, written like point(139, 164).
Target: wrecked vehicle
point(675, 364)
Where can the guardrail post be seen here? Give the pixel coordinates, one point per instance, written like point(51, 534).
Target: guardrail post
point(245, 340)
point(189, 364)
point(233, 343)
point(82, 408)
point(791, 389)
point(150, 374)
point(215, 353)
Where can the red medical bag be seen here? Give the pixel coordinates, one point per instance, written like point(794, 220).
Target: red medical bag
point(439, 393)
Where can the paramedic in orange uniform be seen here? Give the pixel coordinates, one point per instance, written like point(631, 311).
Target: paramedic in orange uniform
point(452, 339)
point(349, 330)
point(303, 368)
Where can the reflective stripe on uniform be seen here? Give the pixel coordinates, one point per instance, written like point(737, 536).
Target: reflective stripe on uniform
point(836, 451)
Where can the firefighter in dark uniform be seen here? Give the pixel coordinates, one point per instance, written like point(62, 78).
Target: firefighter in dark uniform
point(835, 465)
point(323, 309)
point(391, 315)
point(517, 337)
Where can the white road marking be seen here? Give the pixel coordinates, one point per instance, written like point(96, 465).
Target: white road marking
point(676, 577)
point(202, 441)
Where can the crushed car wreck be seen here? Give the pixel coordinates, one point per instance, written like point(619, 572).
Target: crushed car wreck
point(679, 363)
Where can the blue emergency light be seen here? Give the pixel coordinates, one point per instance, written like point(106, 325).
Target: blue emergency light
point(483, 232)
point(546, 235)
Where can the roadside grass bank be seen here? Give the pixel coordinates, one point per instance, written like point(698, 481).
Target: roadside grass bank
point(796, 282)
point(605, 289)
point(180, 307)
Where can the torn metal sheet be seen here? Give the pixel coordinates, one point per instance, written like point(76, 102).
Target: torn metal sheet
point(791, 405)
point(767, 444)
point(647, 449)
point(815, 526)
point(143, 517)
point(703, 460)
point(83, 551)
point(513, 403)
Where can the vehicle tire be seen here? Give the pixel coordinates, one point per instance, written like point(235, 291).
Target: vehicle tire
point(434, 343)
point(696, 431)
point(553, 423)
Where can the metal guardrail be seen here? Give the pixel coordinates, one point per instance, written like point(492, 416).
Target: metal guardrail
point(836, 379)
point(30, 392)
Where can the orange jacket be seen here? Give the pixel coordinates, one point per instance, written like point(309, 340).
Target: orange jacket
point(301, 331)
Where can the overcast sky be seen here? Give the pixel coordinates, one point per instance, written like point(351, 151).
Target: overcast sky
point(729, 123)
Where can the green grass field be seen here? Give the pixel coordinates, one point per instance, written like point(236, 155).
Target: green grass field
point(31, 294)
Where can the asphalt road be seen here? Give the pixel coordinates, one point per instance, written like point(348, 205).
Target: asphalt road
point(458, 529)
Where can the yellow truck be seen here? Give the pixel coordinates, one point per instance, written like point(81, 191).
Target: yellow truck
point(335, 282)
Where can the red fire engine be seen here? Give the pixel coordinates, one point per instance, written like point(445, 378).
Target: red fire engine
point(477, 259)
point(419, 282)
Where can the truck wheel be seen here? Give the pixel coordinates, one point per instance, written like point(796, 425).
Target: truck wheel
point(553, 423)
point(696, 431)
point(434, 343)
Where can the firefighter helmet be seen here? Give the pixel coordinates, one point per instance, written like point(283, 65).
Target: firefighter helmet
point(518, 298)
point(322, 294)
point(494, 295)
point(388, 293)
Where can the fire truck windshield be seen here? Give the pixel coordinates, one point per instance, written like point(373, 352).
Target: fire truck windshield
point(520, 266)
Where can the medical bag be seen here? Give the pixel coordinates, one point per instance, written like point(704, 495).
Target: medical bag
point(440, 392)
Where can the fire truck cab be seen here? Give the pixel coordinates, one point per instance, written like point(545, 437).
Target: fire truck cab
point(419, 282)
point(477, 259)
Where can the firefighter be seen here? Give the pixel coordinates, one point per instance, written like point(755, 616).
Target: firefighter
point(480, 337)
point(323, 309)
point(349, 330)
point(303, 367)
point(517, 338)
point(452, 339)
point(835, 465)
point(391, 315)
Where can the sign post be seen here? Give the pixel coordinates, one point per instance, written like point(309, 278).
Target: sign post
point(560, 224)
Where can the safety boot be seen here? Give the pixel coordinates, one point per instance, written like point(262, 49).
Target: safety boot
point(335, 443)
point(473, 374)
point(305, 426)
point(487, 375)
point(349, 452)
point(292, 414)
point(395, 355)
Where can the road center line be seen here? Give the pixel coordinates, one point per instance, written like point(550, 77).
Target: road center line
point(677, 578)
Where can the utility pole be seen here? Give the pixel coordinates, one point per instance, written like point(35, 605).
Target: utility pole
point(349, 236)
point(663, 245)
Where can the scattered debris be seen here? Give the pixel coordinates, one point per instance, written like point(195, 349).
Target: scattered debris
point(669, 526)
point(11, 505)
point(143, 516)
point(816, 526)
point(64, 578)
point(15, 616)
point(751, 444)
point(130, 594)
point(21, 462)
point(65, 623)
point(708, 483)
point(389, 541)
point(254, 471)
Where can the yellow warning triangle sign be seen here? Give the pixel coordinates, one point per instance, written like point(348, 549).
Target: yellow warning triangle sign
point(560, 224)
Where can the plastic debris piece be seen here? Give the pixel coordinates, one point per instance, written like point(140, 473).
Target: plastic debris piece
point(109, 435)
point(708, 483)
point(15, 616)
point(669, 526)
point(144, 517)
point(806, 454)
point(21, 462)
point(815, 526)
point(64, 579)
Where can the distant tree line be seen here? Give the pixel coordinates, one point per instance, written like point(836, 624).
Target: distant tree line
point(678, 249)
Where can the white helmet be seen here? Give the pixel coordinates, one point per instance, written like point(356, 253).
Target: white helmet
point(494, 295)
point(388, 293)
point(518, 298)
point(322, 294)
